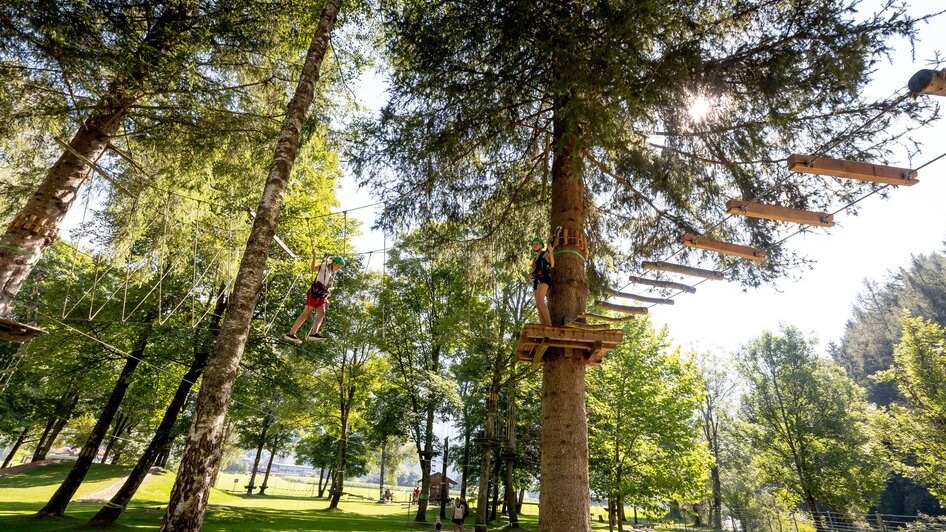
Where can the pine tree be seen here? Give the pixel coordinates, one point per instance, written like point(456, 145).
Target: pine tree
point(496, 104)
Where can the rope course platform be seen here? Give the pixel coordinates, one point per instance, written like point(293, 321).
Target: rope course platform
point(534, 341)
point(16, 332)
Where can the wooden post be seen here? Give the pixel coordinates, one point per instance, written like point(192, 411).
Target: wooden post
point(875, 173)
point(779, 213)
point(683, 270)
point(708, 244)
point(928, 81)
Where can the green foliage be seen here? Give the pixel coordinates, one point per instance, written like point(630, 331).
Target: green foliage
point(917, 424)
point(644, 434)
point(478, 86)
point(811, 428)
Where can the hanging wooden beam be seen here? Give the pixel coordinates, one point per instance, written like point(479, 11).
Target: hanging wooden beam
point(608, 319)
point(776, 212)
point(712, 275)
point(663, 284)
point(928, 81)
point(645, 299)
point(635, 311)
point(736, 250)
point(875, 173)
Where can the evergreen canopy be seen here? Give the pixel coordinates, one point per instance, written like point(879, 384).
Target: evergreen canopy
point(477, 87)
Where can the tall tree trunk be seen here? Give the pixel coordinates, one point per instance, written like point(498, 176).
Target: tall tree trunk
point(611, 512)
point(444, 483)
point(494, 508)
point(815, 514)
point(428, 449)
point(482, 496)
point(121, 422)
point(322, 487)
point(16, 447)
point(716, 508)
point(465, 470)
point(563, 500)
point(63, 411)
point(36, 225)
point(60, 499)
point(204, 440)
point(338, 486)
point(620, 511)
point(259, 453)
point(39, 453)
point(384, 442)
point(269, 467)
point(510, 455)
point(160, 443)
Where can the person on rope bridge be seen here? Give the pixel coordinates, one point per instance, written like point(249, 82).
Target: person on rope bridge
point(541, 276)
point(316, 298)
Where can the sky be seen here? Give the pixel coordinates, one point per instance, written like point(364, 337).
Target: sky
point(882, 238)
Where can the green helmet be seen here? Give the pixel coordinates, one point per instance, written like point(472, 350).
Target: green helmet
point(338, 260)
point(539, 240)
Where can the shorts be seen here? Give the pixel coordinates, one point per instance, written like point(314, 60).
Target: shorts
point(457, 521)
point(535, 283)
point(315, 302)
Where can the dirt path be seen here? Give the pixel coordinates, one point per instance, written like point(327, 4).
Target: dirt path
point(23, 468)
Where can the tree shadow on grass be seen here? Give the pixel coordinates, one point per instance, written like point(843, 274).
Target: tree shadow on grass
point(54, 475)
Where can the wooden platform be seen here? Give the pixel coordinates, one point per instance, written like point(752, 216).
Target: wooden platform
point(16, 332)
point(534, 340)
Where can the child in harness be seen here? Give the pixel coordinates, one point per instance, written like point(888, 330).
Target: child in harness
point(316, 298)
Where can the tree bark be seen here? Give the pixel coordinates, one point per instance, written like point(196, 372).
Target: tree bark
point(815, 514)
point(444, 483)
point(204, 440)
point(465, 471)
point(121, 423)
point(428, 450)
point(510, 455)
point(161, 441)
point(620, 511)
point(563, 500)
point(482, 496)
point(37, 224)
point(494, 508)
point(64, 408)
point(259, 453)
point(269, 467)
point(60, 499)
point(381, 467)
point(346, 401)
point(39, 453)
point(15, 448)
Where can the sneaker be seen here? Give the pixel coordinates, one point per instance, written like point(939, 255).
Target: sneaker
point(292, 339)
point(314, 338)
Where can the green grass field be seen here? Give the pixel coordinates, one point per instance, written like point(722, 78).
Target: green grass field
point(288, 508)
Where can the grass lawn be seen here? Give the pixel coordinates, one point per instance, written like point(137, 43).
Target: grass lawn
point(288, 508)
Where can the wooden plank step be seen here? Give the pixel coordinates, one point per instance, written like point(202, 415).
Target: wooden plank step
point(16, 332)
point(645, 299)
point(779, 213)
point(875, 173)
point(712, 275)
point(663, 284)
point(717, 246)
point(623, 309)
